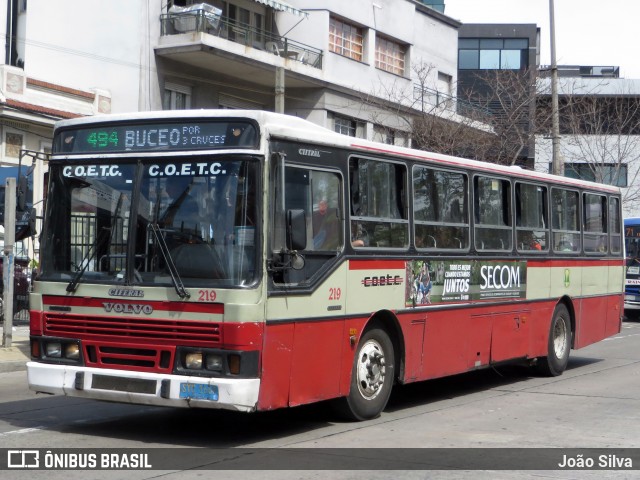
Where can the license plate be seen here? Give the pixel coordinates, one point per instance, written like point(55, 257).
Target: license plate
point(199, 391)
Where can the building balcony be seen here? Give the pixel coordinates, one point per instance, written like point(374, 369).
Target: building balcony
point(201, 21)
point(433, 101)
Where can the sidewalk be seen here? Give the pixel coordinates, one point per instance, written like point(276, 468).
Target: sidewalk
point(15, 357)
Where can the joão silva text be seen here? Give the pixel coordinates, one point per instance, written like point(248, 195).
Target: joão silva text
point(604, 461)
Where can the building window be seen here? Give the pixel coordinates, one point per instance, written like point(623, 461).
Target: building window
point(346, 39)
point(607, 173)
point(493, 54)
point(390, 56)
point(348, 126)
point(176, 97)
point(384, 135)
point(444, 96)
point(389, 136)
point(13, 144)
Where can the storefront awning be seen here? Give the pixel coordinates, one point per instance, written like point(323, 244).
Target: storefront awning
point(282, 7)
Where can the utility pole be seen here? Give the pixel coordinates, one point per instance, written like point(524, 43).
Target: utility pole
point(557, 163)
point(7, 263)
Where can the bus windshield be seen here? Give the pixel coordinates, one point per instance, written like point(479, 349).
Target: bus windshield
point(149, 221)
point(632, 278)
point(632, 243)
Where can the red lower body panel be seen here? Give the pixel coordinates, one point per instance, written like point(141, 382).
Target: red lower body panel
point(308, 361)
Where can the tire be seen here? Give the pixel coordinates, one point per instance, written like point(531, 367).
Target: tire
point(372, 377)
point(559, 344)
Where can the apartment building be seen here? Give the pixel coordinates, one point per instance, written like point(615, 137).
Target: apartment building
point(349, 66)
point(342, 62)
point(487, 52)
point(339, 64)
point(599, 128)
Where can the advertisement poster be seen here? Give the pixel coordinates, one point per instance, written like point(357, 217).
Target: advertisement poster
point(445, 281)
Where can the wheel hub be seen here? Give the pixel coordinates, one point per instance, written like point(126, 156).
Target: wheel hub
point(371, 370)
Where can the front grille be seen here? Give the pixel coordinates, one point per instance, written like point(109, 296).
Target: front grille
point(129, 358)
point(167, 332)
point(139, 344)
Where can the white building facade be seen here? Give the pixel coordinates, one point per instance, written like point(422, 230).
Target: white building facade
point(600, 134)
point(344, 65)
point(339, 58)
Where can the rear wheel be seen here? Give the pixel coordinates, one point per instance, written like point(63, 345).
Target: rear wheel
point(559, 344)
point(371, 376)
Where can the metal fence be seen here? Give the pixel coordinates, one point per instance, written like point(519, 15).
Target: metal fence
point(205, 22)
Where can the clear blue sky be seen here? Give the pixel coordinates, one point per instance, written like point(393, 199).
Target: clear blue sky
point(588, 32)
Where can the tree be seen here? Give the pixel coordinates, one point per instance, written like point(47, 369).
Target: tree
point(429, 117)
point(509, 98)
point(491, 120)
point(600, 133)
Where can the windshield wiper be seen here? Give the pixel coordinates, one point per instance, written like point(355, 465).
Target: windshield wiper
point(173, 271)
point(73, 284)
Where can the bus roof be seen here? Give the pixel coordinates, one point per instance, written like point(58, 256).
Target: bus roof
point(297, 129)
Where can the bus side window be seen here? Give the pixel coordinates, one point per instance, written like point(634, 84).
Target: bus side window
point(319, 194)
point(439, 209)
point(565, 225)
point(615, 225)
point(595, 223)
point(492, 203)
point(327, 223)
point(379, 212)
point(532, 233)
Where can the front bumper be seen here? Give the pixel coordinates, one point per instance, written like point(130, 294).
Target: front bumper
point(139, 387)
point(632, 302)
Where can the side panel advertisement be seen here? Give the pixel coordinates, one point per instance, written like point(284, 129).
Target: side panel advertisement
point(445, 281)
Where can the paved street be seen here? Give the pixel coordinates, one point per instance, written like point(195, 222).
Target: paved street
point(594, 404)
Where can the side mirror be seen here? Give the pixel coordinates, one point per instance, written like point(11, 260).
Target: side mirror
point(26, 224)
point(296, 229)
point(21, 193)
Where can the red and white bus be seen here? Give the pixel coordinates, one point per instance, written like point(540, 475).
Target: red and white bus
point(309, 265)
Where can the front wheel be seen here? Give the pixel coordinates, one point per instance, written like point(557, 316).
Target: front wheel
point(559, 344)
point(371, 376)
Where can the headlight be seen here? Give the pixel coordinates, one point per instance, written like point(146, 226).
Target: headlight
point(193, 360)
point(72, 351)
point(214, 362)
point(53, 349)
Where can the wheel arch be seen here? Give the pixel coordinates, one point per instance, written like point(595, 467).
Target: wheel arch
point(389, 322)
point(568, 302)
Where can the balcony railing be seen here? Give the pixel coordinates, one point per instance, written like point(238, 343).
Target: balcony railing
point(203, 21)
point(443, 101)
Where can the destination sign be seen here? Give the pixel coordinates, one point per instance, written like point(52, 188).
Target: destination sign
point(190, 135)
